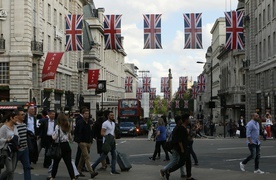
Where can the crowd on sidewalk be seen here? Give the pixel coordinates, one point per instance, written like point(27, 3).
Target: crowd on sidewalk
point(23, 135)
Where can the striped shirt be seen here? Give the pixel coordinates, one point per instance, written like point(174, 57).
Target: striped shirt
point(22, 133)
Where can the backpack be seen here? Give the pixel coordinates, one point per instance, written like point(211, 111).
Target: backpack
point(169, 143)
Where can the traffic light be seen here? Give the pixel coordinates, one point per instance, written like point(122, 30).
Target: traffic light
point(101, 87)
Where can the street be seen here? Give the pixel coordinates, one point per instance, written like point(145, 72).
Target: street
point(214, 154)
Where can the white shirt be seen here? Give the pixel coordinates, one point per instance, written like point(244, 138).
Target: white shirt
point(30, 124)
point(51, 126)
point(109, 127)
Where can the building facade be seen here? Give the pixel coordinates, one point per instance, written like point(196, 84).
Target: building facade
point(260, 56)
point(30, 29)
point(33, 28)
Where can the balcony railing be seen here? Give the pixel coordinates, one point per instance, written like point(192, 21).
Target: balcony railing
point(2, 44)
point(37, 48)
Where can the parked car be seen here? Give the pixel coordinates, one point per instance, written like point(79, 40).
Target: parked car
point(128, 128)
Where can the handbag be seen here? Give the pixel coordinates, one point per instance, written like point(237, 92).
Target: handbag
point(54, 151)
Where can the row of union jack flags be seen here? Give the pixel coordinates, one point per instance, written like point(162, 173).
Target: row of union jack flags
point(200, 87)
point(169, 103)
point(152, 31)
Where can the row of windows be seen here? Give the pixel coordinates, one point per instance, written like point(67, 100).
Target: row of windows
point(267, 14)
point(266, 48)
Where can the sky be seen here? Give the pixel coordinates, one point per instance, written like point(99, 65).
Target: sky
point(182, 62)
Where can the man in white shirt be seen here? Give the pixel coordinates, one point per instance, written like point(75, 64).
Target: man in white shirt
point(32, 134)
point(47, 127)
point(108, 129)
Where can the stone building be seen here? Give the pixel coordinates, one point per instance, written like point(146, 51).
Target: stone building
point(260, 56)
point(29, 30)
point(33, 28)
point(227, 77)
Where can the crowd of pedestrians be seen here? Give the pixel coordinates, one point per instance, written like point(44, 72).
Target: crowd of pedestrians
point(22, 136)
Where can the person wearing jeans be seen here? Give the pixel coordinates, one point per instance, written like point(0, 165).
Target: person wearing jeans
point(175, 151)
point(23, 152)
point(108, 129)
point(253, 141)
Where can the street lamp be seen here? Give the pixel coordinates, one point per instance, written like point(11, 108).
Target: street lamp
point(211, 104)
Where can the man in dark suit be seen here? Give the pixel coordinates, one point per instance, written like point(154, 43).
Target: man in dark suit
point(242, 127)
point(79, 118)
point(32, 134)
point(47, 127)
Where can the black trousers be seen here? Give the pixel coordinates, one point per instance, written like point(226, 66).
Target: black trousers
point(67, 158)
point(47, 160)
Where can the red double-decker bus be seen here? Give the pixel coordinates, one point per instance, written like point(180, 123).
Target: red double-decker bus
point(130, 110)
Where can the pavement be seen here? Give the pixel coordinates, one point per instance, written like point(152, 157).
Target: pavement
point(151, 172)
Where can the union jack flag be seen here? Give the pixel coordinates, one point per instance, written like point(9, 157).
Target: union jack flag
point(201, 83)
point(128, 84)
point(180, 95)
point(146, 84)
point(183, 83)
point(152, 31)
point(193, 31)
point(195, 92)
point(176, 103)
point(164, 84)
point(186, 104)
point(151, 104)
point(112, 32)
point(160, 103)
point(152, 93)
point(167, 95)
point(168, 103)
point(73, 32)
point(139, 92)
point(234, 30)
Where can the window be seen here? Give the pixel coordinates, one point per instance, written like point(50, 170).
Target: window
point(60, 21)
point(269, 46)
point(273, 8)
point(268, 13)
point(55, 17)
point(49, 13)
point(264, 50)
point(4, 73)
point(49, 43)
point(243, 79)
point(274, 43)
point(264, 18)
point(260, 22)
point(34, 75)
point(259, 100)
point(43, 11)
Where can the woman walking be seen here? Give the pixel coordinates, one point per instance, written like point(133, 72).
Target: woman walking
point(160, 139)
point(62, 135)
point(8, 144)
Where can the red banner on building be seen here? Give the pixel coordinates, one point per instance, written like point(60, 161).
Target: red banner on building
point(93, 76)
point(50, 65)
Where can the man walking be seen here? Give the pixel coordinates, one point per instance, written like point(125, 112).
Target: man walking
point(84, 132)
point(253, 141)
point(108, 129)
point(32, 134)
point(47, 128)
point(23, 151)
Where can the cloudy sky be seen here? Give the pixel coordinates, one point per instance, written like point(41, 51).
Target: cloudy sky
point(182, 62)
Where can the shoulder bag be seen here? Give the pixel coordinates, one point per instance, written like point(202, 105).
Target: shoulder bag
point(55, 151)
